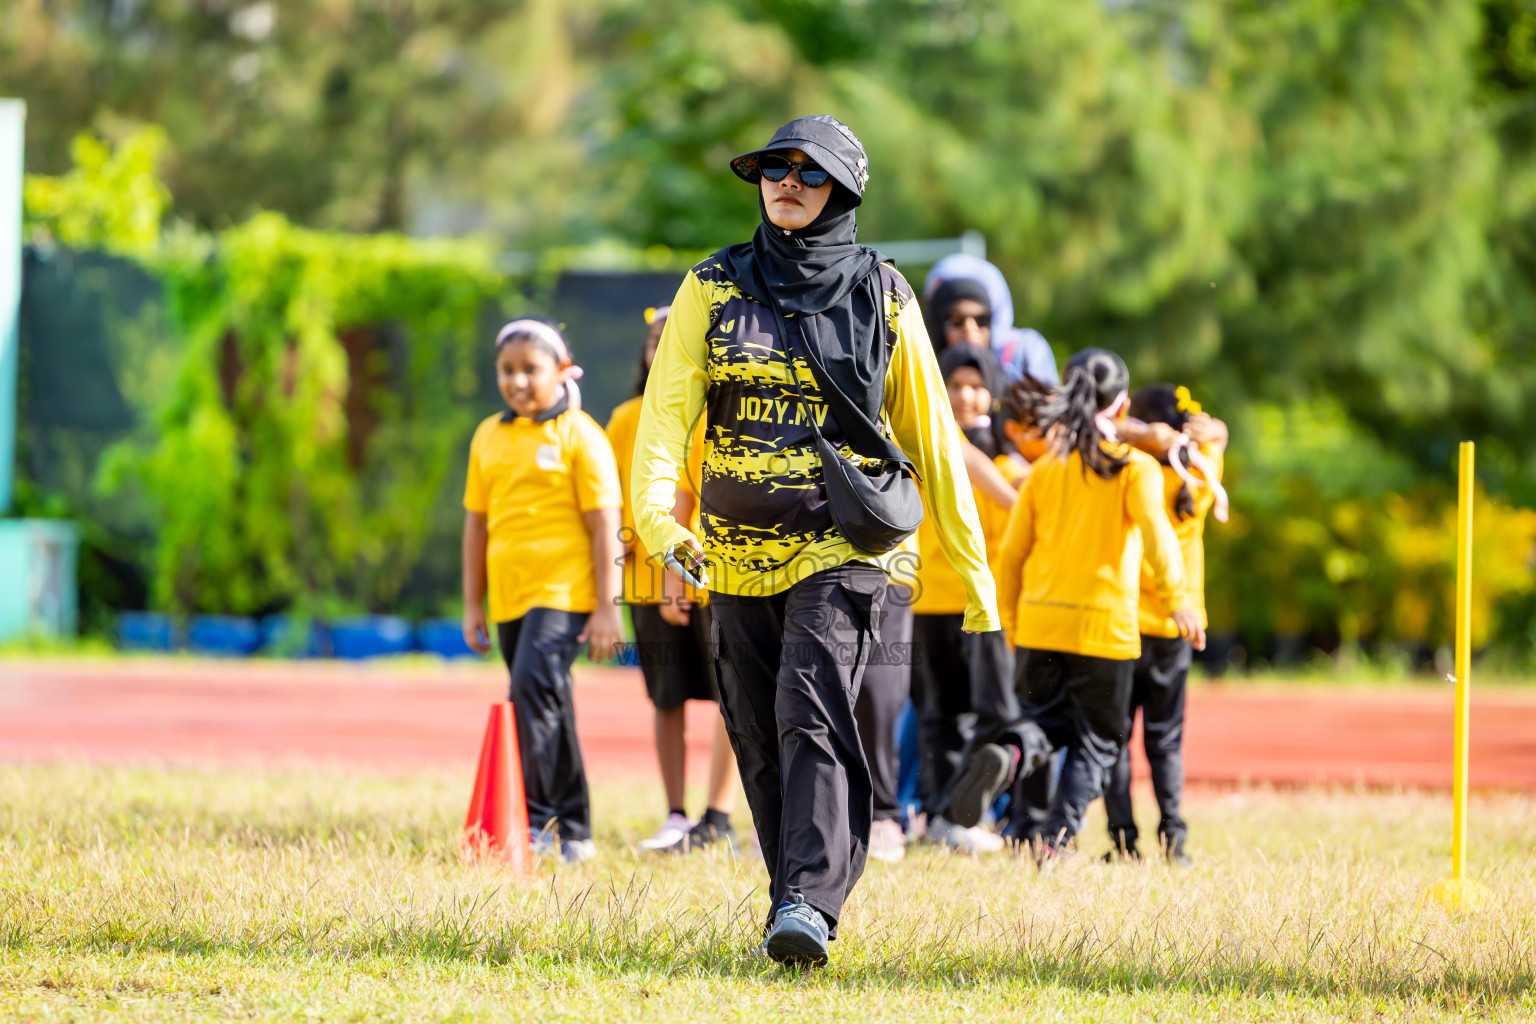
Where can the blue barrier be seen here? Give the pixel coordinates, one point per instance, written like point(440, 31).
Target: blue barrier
point(444, 638)
point(289, 636)
point(145, 631)
point(372, 636)
point(225, 636)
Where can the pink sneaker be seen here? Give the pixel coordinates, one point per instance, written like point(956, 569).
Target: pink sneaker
point(670, 837)
point(886, 841)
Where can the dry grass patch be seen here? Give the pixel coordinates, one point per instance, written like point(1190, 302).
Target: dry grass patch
point(180, 894)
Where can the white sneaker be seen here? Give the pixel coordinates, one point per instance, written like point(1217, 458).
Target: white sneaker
point(574, 851)
point(670, 838)
point(975, 840)
point(983, 841)
point(543, 843)
point(886, 841)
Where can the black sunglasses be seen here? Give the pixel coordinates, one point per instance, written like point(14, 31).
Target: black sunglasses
point(983, 321)
point(777, 168)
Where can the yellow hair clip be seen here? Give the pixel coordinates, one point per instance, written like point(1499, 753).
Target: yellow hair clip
point(1187, 405)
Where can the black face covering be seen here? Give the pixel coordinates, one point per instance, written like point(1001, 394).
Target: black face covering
point(827, 287)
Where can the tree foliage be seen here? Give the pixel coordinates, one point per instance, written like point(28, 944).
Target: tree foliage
point(315, 415)
point(1319, 215)
point(111, 199)
point(331, 112)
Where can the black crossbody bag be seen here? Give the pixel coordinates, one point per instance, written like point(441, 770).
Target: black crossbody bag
point(875, 509)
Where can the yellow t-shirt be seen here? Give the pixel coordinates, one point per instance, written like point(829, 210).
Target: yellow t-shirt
point(764, 526)
point(1069, 570)
point(1191, 534)
point(533, 480)
point(941, 591)
point(643, 574)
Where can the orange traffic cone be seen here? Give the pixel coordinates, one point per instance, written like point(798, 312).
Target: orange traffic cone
point(496, 826)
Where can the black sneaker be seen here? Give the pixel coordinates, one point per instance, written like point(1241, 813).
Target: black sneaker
point(1173, 848)
point(1021, 843)
point(707, 834)
point(799, 934)
point(1128, 855)
point(1124, 848)
point(1049, 856)
point(985, 775)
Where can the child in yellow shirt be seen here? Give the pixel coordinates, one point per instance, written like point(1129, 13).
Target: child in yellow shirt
point(1068, 579)
point(956, 674)
point(541, 527)
point(1162, 670)
point(672, 626)
point(1018, 420)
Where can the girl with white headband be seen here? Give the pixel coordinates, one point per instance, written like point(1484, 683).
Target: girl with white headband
point(1068, 580)
point(1190, 445)
point(541, 526)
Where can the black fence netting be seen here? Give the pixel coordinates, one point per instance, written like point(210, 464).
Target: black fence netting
point(603, 316)
point(95, 350)
point(98, 355)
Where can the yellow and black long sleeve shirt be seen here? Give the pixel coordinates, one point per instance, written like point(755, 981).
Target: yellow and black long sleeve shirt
point(642, 571)
point(764, 516)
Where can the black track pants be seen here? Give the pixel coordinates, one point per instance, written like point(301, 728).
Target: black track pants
point(539, 649)
point(956, 673)
point(1157, 688)
point(1078, 702)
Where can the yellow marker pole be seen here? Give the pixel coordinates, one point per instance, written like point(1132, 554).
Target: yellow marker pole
point(1459, 892)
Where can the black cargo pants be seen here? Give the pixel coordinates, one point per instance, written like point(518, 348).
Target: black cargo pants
point(789, 666)
point(882, 694)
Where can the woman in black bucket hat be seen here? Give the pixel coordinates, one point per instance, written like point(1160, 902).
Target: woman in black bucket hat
point(806, 354)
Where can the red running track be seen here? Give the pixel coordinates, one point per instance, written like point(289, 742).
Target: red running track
point(394, 717)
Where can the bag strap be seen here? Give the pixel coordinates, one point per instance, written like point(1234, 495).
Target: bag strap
point(781, 323)
point(789, 358)
point(789, 355)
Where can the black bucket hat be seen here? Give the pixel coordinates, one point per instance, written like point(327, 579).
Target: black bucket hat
point(825, 140)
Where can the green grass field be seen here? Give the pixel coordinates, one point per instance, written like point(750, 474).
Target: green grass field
point(146, 894)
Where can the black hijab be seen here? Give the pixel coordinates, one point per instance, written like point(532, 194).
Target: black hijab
point(983, 362)
point(991, 439)
point(825, 289)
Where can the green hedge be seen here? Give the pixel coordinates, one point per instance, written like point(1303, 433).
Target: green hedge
point(322, 387)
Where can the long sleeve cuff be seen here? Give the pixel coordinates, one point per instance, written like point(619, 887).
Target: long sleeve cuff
point(979, 620)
